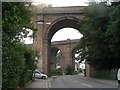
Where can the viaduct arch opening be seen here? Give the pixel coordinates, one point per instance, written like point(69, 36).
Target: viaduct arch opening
point(63, 22)
point(58, 24)
point(57, 61)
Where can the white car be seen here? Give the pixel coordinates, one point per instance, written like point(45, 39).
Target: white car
point(39, 75)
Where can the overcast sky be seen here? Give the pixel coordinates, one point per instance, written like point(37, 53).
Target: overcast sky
point(65, 2)
point(66, 33)
point(58, 3)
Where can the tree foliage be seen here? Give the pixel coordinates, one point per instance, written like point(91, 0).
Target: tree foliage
point(69, 70)
point(16, 19)
point(101, 35)
point(113, 33)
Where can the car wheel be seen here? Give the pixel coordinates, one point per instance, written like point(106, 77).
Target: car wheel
point(43, 77)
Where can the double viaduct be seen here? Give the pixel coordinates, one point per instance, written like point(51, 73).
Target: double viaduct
point(48, 21)
point(67, 48)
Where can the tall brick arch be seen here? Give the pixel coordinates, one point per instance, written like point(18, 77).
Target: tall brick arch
point(62, 22)
point(54, 19)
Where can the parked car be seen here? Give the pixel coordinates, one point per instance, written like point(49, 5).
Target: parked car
point(39, 75)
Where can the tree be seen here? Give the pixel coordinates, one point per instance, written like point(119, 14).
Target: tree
point(69, 70)
point(95, 27)
point(113, 33)
point(16, 19)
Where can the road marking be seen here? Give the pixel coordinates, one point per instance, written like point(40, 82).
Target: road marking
point(49, 84)
point(69, 78)
point(76, 81)
point(86, 85)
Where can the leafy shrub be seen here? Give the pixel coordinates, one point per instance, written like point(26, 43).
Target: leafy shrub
point(105, 74)
point(69, 70)
point(16, 72)
point(55, 71)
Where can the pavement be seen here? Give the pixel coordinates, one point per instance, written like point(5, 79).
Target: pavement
point(41, 83)
point(113, 82)
point(38, 83)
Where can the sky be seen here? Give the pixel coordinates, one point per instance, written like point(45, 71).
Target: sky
point(58, 3)
point(66, 33)
point(65, 2)
point(28, 40)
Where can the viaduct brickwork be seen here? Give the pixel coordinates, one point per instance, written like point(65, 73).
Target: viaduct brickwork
point(66, 47)
point(48, 21)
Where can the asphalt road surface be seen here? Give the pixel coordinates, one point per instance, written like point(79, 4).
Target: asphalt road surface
point(74, 81)
point(77, 81)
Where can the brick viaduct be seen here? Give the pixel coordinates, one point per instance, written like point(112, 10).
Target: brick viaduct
point(48, 21)
point(67, 48)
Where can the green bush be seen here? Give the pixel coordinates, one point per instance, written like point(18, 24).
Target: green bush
point(75, 72)
point(16, 64)
point(55, 71)
point(105, 74)
point(69, 70)
point(16, 72)
point(29, 67)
